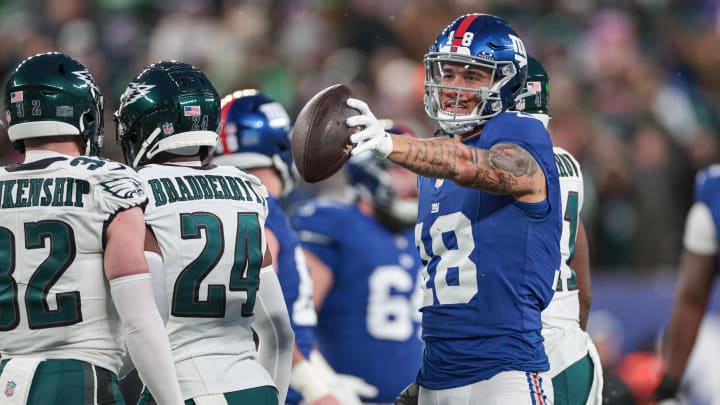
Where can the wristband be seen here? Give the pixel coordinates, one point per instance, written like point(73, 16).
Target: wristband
point(667, 389)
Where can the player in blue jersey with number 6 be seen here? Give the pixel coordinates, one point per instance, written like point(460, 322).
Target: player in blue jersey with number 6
point(489, 219)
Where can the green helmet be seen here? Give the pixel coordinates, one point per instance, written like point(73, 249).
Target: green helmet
point(52, 94)
point(535, 98)
point(169, 107)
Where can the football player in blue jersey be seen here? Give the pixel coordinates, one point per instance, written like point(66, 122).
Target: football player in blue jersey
point(489, 218)
point(698, 271)
point(575, 366)
point(365, 270)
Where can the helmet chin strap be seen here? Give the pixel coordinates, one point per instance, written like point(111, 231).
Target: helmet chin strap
point(150, 139)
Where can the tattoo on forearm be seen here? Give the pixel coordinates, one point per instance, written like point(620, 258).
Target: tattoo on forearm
point(496, 170)
point(432, 159)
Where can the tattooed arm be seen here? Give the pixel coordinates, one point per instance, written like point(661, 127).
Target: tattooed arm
point(504, 169)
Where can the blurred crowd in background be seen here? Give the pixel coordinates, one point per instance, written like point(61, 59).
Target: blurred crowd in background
point(635, 85)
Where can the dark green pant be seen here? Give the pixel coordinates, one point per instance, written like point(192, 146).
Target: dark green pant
point(265, 395)
point(572, 386)
point(72, 382)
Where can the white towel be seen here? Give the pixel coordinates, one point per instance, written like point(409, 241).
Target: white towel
point(16, 379)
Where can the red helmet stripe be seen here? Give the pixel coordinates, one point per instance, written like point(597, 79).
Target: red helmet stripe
point(223, 135)
point(464, 25)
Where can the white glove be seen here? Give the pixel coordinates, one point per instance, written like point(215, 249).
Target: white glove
point(373, 137)
point(346, 388)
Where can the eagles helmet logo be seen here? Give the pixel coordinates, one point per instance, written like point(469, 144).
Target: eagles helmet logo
point(124, 187)
point(86, 78)
point(135, 92)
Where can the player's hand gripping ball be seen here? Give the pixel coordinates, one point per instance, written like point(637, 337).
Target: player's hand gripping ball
point(320, 137)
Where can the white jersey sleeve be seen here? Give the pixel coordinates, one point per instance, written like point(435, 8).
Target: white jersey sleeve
point(119, 190)
point(700, 236)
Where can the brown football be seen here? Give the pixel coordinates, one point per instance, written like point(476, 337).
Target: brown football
point(320, 138)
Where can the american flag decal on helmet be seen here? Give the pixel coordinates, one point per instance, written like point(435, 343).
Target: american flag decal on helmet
point(191, 110)
point(16, 96)
point(534, 87)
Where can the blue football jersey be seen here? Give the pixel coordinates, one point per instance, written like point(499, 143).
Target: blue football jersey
point(489, 262)
point(707, 191)
point(295, 283)
point(368, 323)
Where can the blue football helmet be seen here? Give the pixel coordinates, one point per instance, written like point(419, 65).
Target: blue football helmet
point(256, 133)
point(371, 179)
point(478, 41)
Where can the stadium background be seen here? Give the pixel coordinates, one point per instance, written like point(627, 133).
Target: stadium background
point(635, 96)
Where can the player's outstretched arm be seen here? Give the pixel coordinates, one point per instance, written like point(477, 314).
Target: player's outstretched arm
point(272, 325)
point(131, 290)
point(505, 169)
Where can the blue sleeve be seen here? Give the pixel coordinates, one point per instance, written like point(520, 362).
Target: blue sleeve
point(314, 225)
point(707, 182)
point(517, 128)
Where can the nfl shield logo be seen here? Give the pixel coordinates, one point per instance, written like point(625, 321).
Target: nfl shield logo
point(167, 128)
point(10, 388)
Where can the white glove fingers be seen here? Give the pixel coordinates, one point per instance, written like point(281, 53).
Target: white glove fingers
point(364, 135)
point(359, 105)
point(360, 120)
point(363, 147)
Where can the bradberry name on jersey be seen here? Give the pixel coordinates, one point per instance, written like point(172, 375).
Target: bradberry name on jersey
point(167, 190)
point(43, 192)
point(566, 165)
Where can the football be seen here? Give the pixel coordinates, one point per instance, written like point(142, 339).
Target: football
point(320, 139)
